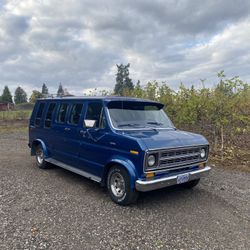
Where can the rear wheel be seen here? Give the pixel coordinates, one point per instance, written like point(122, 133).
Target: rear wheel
point(118, 183)
point(40, 157)
point(191, 184)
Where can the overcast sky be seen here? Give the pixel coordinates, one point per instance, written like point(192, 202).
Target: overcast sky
point(79, 43)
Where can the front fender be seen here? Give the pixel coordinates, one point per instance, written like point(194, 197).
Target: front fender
point(37, 142)
point(127, 164)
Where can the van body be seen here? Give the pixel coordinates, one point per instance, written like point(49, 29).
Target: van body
point(127, 144)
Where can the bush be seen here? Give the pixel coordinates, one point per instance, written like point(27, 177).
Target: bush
point(222, 112)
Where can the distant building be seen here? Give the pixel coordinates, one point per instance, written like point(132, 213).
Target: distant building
point(5, 106)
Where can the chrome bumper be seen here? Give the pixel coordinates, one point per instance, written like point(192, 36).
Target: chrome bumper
point(148, 185)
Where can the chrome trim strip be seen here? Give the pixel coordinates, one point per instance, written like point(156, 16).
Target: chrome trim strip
point(74, 170)
point(149, 185)
point(178, 147)
point(165, 170)
point(182, 164)
point(178, 156)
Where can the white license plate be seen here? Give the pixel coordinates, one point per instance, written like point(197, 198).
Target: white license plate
point(182, 178)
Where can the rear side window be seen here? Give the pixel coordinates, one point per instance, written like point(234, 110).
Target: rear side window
point(61, 116)
point(48, 118)
point(39, 114)
point(75, 113)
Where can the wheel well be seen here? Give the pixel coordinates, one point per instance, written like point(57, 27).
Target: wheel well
point(33, 147)
point(106, 170)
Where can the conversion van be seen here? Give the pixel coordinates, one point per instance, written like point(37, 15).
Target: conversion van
point(128, 145)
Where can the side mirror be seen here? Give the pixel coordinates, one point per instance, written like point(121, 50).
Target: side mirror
point(89, 123)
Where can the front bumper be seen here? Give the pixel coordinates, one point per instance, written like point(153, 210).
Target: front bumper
point(148, 185)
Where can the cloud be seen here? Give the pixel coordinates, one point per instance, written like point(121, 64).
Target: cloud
point(78, 43)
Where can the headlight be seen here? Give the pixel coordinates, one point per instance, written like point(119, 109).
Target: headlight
point(203, 153)
point(151, 160)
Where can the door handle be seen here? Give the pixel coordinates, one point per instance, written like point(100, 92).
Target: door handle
point(67, 129)
point(82, 132)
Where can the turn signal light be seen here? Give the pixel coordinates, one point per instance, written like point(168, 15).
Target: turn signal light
point(150, 175)
point(202, 165)
point(134, 152)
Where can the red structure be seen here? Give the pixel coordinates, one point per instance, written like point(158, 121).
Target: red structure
point(5, 106)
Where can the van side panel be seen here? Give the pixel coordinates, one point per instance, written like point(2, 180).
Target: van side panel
point(89, 150)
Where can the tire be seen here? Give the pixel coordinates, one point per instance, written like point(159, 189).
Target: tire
point(118, 184)
point(40, 159)
point(191, 184)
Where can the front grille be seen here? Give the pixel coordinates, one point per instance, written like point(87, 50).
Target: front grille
point(179, 158)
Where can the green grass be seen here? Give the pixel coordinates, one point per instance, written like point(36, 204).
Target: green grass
point(15, 115)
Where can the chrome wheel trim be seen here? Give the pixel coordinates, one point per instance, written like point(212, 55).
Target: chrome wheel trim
point(40, 156)
point(117, 185)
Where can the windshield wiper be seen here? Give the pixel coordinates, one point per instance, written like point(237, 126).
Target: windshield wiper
point(155, 123)
point(129, 125)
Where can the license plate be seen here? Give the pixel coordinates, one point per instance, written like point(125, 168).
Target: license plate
point(182, 178)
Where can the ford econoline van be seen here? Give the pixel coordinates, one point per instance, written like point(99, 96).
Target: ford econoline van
point(128, 145)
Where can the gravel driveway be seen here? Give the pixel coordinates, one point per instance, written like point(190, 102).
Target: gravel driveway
point(56, 209)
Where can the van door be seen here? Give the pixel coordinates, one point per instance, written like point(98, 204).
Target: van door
point(47, 127)
point(93, 139)
point(60, 128)
point(72, 132)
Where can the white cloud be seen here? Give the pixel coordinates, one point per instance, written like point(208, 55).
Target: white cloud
point(78, 43)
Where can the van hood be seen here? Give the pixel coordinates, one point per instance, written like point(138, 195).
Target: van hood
point(167, 138)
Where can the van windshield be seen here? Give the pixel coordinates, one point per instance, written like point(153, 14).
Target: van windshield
point(138, 115)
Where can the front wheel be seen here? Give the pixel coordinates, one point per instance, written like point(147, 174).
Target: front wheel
point(118, 183)
point(191, 184)
point(40, 158)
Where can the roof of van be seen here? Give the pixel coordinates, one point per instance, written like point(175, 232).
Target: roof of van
point(104, 98)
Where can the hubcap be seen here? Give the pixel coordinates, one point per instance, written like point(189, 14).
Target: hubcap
point(117, 184)
point(39, 156)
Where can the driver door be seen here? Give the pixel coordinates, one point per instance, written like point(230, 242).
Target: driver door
point(93, 146)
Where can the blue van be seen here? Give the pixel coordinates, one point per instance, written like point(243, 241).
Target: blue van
point(128, 145)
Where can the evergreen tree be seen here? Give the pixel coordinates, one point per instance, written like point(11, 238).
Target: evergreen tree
point(6, 96)
point(123, 82)
point(35, 95)
point(45, 90)
point(20, 96)
point(60, 91)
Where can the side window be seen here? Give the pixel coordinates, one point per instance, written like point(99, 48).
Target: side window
point(75, 113)
point(48, 118)
point(61, 116)
point(39, 114)
point(94, 112)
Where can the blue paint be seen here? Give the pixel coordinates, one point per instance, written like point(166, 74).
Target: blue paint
point(94, 150)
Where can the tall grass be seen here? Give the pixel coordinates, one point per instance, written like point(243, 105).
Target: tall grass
point(15, 115)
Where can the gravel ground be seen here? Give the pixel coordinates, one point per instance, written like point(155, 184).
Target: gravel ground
point(56, 209)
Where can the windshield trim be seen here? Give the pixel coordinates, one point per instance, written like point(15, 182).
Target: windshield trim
point(130, 129)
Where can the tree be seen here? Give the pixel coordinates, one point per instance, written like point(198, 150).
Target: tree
point(35, 95)
point(138, 90)
point(20, 96)
point(6, 96)
point(123, 82)
point(60, 91)
point(45, 90)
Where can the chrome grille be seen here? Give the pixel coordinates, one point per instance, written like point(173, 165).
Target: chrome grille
point(178, 158)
